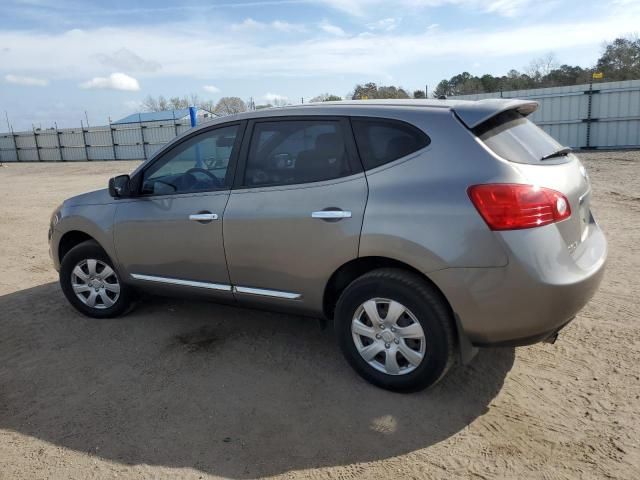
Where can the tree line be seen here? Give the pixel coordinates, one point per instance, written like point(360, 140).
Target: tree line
point(620, 60)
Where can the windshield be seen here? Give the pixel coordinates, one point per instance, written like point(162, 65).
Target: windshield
point(517, 139)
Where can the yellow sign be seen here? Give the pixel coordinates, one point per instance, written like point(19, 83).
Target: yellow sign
point(597, 75)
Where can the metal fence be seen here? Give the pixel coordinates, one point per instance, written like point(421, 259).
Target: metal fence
point(600, 115)
point(110, 142)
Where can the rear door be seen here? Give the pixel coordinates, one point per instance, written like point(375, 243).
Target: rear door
point(296, 210)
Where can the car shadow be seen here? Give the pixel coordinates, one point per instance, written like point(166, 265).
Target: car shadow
point(228, 391)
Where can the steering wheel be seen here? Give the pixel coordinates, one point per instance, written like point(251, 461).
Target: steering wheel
point(195, 170)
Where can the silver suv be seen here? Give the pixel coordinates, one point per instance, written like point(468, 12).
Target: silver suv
point(423, 229)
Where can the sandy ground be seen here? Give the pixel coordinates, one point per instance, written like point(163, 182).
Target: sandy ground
point(197, 390)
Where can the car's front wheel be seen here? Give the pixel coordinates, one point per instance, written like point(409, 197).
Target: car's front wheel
point(395, 330)
point(91, 283)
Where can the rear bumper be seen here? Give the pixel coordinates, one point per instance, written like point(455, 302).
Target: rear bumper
point(541, 289)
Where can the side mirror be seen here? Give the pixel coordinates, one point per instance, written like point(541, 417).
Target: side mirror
point(119, 187)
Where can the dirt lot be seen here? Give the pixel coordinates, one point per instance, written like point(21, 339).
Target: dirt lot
point(192, 390)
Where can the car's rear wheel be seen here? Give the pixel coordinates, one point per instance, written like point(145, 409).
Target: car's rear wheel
point(91, 283)
point(395, 330)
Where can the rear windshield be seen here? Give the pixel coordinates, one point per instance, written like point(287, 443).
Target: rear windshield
point(515, 138)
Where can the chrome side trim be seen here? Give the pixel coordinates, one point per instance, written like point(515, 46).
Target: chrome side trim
point(184, 283)
point(331, 214)
point(267, 293)
point(203, 217)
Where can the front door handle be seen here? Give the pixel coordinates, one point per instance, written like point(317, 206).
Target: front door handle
point(331, 214)
point(203, 217)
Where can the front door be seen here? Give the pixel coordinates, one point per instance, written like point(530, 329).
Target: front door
point(171, 234)
point(296, 213)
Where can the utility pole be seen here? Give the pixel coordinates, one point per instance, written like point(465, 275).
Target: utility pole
point(86, 117)
point(301, 99)
point(426, 91)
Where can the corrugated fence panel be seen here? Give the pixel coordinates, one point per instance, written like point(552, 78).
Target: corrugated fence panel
point(100, 152)
point(152, 149)
point(101, 137)
point(161, 134)
point(73, 154)
point(6, 142)
point(624, 133)
point(612, 121)
point(48, 140)
point(25, 141)
point(135, 152)
point(71, 138)
point(128, 136)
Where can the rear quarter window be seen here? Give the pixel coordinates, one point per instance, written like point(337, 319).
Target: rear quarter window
point(381, 141)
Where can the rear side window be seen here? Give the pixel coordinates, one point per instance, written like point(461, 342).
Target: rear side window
point(296, 151)
point(517, 139)
point(382, 141)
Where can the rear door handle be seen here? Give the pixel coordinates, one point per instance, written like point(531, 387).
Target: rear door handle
point(331, 214)
point(203, 217)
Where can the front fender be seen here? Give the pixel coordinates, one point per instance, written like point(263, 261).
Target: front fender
point(95, 221)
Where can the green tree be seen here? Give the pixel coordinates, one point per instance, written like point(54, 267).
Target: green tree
point(364, 92)
point(442, 89)
point(418, 94)
point(326, 97)
point(371, 91)
point(230, 105)
point(621, 59)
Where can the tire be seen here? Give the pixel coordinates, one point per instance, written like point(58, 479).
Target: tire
point(431, 354)
point(105, 296)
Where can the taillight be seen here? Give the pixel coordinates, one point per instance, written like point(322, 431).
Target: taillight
point(510, 206)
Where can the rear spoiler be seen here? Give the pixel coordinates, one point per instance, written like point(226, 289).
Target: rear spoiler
point(476, 113)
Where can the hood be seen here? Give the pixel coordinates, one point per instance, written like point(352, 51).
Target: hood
point(97, 197)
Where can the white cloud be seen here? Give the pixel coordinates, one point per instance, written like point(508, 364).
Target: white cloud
point(247, 24)
point(386, 24)
point(287, 27)
point(332, 29)
point(28, 81)
point(210, 89)
point(275, 99)
point(126, 60)
point(115, 81)
point(507, 8)
point(223, 54)
point(251, 25)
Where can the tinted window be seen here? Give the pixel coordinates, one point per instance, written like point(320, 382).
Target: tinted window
point(300, 151)
point(517, 139)
point(383, 141)
point(199, 164)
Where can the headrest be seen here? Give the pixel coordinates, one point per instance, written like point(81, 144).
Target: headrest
point(327, 141)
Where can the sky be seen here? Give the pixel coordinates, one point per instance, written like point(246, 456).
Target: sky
point(62, 58)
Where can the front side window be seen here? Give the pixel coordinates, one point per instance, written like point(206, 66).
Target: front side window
point(296, 151)
point(199, 164)
point(382, 141)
